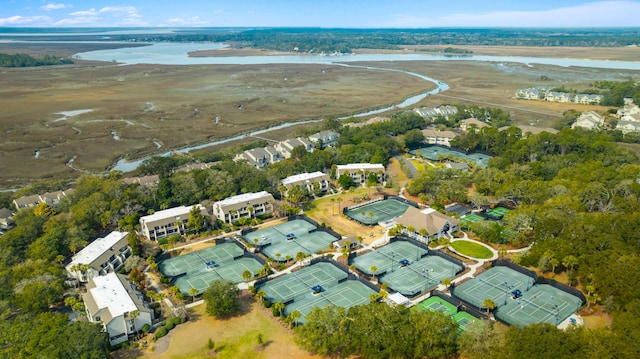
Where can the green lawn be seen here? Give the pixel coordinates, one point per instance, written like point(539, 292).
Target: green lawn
point(472, 249)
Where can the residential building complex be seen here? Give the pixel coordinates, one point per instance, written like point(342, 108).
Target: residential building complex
point(50, 198)
point(360, 171)
point(248, 205)
point(309, 181)
point(167, 222)
point(324, 138)
point(100, 257)
point(116, 303)
point(589, 120)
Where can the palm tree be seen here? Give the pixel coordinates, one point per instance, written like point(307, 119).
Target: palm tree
point(352, 267)
point(444, 241)
point(502, 252)
point(250, 209)
point(339, 200)
point(570, 262)
point(193, 292)
point(300, 256)
point(278, 255)
point(231, 215)
point(383, 294)
point(370, 218)
point(373, 297)
point(159, 297)
point(446, 282)
point(411, 230)
point(279, 306)
point(247, 275)
point(592, 296)
point(294, 316)
point(554, 263)
point(261, 295)
point(133, 315)
point(373, 269)
point(287, 258)
point(333, 208)
point(488, 304)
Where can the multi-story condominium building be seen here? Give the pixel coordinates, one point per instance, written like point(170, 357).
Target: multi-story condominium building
point(286, 147)
point(360, 171)
point(248, 205)
point(325, 138)
point(167, 222)
point(100, 257)
point(116, 303)
point(308, 180)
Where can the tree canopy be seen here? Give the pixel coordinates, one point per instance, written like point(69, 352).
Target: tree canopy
point(222, 298)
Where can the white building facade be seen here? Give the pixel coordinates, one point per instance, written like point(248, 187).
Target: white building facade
point(168, 222)
point(248, 205)
point(360, 171)
point(100, 257)
point(115, 302)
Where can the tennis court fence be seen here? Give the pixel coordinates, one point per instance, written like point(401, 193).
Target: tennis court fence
point(363, 204)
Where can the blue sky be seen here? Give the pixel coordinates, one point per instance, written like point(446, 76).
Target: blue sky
point(319, 13)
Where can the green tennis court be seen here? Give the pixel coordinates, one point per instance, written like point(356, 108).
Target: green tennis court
point(298, 284)
point(380, 211)
point(497, 212)
point(473, 218)
point(388, 257)
point(309, 243)
point(346, 294)
point(438, 304)
point(463, 319)
point(536, 303)
point(284, 241)
point(438, 153)
point(470, 218)
point(541, 304)
point(496, 283)
point(197, 261)
point(420, 276)
point(231, 271)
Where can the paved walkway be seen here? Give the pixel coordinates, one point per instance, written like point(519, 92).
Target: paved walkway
point(412, 169)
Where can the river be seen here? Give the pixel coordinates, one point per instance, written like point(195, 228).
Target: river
point(177, 54)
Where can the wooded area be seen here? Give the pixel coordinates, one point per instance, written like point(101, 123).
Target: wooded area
point(575, 194)
point(319, 40)
point(24, 60)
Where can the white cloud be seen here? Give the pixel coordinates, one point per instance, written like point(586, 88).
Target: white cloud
point(90, 12)
point(25, 20)
point(593, 14)
point(118, 10)
point(190, 21)
point(129, 11)
point(78, 20)
point(108, 15)
point(53, 6)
